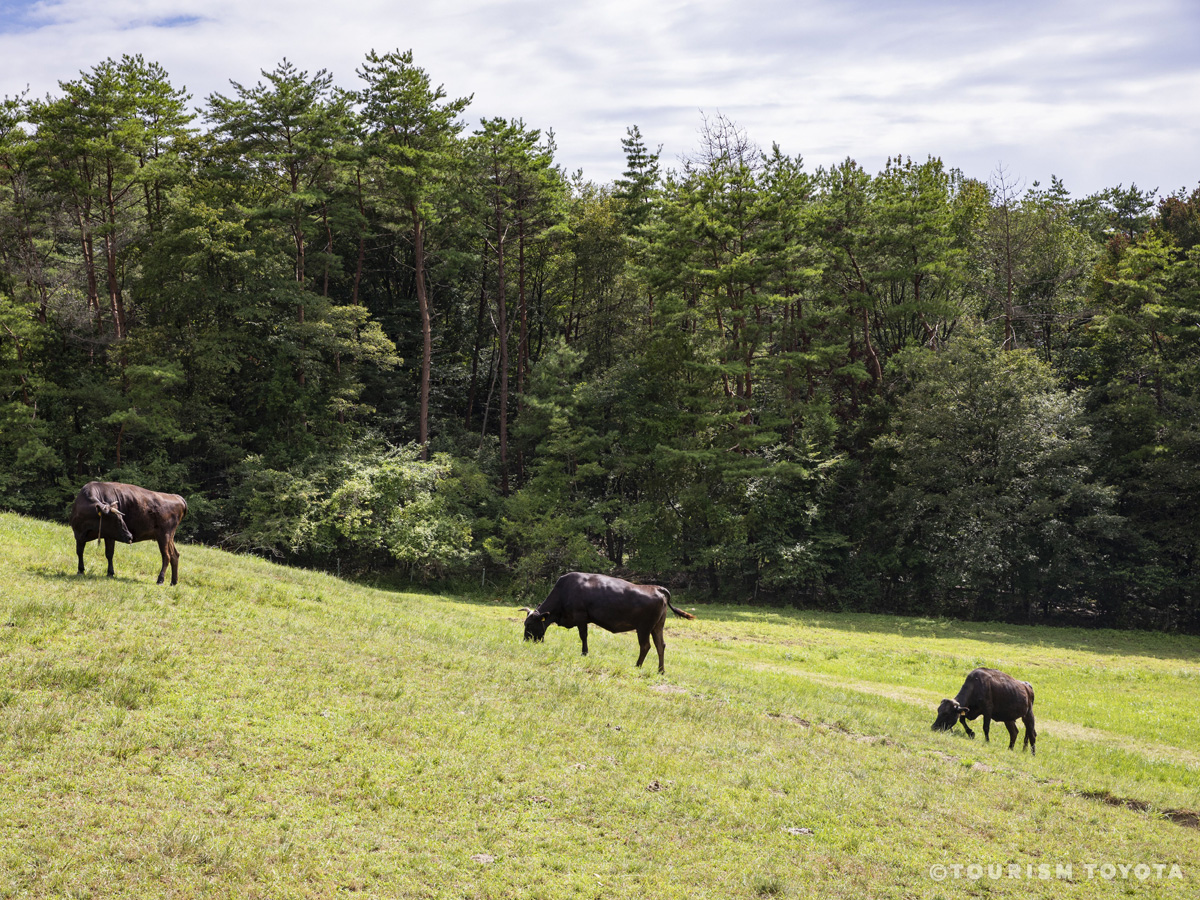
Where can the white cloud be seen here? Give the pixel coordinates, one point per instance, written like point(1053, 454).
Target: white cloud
point(1098, 92)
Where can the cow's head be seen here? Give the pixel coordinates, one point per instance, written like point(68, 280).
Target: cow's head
point(949, 712)
point(123, 533)
point(535, 624)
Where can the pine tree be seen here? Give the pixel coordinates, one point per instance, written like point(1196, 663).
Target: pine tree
point(411, 139)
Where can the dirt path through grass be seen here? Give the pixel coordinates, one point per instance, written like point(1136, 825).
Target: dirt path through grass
point(1046, 727)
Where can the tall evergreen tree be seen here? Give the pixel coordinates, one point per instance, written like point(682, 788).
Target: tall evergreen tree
point(514, 175)
point(102, 146)
point(411, 134)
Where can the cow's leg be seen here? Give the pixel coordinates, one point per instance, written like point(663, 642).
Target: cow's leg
point(659, 645)
point(109, 545)
point(163, 543)
point(582, 635)
point(967, 728)
point(80, 546)
point(644, 643)
point(1030, 733)
point(987, 728)
point(174, 551)
point(1012, 734)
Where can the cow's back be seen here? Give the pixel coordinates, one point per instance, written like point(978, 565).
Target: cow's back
point(617, 605)
point(997, 695)
point(150, 514)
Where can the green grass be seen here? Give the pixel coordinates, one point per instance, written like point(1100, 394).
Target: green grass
point(260, 731)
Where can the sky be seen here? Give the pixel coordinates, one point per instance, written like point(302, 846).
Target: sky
point(1096, 92)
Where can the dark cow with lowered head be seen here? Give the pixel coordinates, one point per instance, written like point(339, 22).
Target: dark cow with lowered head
point(126, 512)
point(994, 695)
point(579, 599)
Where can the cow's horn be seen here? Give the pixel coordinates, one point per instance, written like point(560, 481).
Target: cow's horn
point(526, 610)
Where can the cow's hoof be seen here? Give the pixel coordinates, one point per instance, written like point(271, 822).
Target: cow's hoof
point(160, 581)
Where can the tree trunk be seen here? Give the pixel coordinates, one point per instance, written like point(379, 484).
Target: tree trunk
point(328, 248)
point(876, 367)
point(523, 345)
point(1010, 342)
point(523, 342)
point(478, 335)
point(426, 329)
point(362, 241)
point(502, 315)
point(116, 304)
point(115, 300)
point(89, 265)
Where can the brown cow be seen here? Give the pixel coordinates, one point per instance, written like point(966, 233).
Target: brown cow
point(126, 512)
point(994, 695)
point(579, 599)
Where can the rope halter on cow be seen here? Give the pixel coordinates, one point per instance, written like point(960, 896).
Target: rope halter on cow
point(101, 510)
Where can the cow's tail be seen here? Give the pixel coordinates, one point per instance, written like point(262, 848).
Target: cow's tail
point(674, 609)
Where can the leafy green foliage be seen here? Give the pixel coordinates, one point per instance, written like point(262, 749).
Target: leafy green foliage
point(26, 443)
point(553, 523)
point(396, 504)
point(992, 496)
point(888, 391)
point(368, 506)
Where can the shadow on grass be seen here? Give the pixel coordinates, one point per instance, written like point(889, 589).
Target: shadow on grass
point(1100, 641)
point(493, 596)
point(100, 577)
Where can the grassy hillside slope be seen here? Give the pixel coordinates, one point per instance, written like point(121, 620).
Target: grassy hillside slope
point(260, 731)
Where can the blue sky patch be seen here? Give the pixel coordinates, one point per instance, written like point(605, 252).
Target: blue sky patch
point(167, 22)
point(21, 15)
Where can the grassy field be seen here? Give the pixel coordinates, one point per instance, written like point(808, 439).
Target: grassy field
point(260, 731)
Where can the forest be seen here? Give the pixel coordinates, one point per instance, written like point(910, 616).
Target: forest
point(362, 332)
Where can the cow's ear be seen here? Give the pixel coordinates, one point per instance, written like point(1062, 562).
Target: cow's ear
point(545, 616)
point(962, 711)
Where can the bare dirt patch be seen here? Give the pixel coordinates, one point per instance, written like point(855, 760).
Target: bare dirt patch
point(837, 728)
point(1185, 817)
point(803, 723)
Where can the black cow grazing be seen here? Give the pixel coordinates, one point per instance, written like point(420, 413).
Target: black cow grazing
point(994, 695)
point(128, 513)
point(579, 599)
